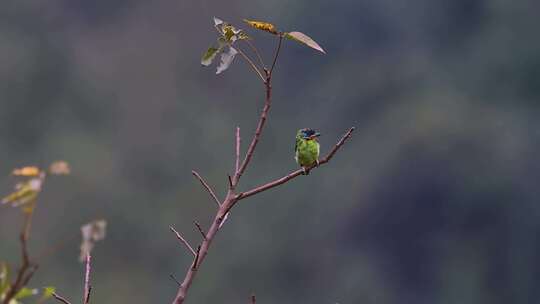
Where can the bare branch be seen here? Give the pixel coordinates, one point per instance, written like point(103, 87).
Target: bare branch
point(296, 173)
point(87, 286)
point(238, 141)
point(200, 229)
point(27, 269)
point(258, 131)
point(253, 299)
point(206, 186)
point(60, 298)
point(232, 198)
point(182, 240)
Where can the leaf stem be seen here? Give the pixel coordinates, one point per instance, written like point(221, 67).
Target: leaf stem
point(276, 54)
point(250, 62)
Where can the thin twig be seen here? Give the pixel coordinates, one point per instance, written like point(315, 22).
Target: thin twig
point(87, 286)
point(175, 279)
point(250, 62)
point(182, 240)
point(206, 186)
point(27, 269)
point(258, 131)
point(60, 298)
point(237, 159)
point(296, 173)
point(200, 229)
point(276, 54)
point(256, 51)
point(253, 299)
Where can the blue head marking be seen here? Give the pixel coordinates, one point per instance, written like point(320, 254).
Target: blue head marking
point(309, 133)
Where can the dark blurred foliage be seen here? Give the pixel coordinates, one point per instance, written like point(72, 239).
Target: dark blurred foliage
point(435, 200)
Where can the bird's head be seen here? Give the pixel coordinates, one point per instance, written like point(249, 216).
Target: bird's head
point(307, 134)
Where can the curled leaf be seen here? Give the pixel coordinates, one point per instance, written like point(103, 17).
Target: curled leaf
point(263, 26)
point(226, 59)
point(209, 56)
point(91, 233)
point(305, 39)
point(59, 168)
point(26, 171)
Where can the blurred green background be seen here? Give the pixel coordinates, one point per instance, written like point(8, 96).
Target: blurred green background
point(434, 200)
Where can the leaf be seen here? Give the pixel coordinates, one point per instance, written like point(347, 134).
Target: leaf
point(263, 26)
point(226, 60)
point(26, 292)
point(305, 39)
point(27, 171)
point(47, 293)
point(217, 21)
point(209, 56)
point(59, 168)
point(91, 233)
point(24, 193)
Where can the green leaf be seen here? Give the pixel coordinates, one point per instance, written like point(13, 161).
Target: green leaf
point(47, 293)
point(226, 60)
point(209, 56)
point(305, 39)
point(26, 292)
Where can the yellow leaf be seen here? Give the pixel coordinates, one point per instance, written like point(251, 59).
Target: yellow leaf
point(263, 26)
point(27, 171)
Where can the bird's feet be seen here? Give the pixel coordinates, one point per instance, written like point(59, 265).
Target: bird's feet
point(305, 171)
point(317, 163)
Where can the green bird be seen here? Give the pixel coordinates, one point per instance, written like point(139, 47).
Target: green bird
point(307, 148)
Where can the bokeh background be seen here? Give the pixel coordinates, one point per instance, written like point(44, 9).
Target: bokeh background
point(434, 200)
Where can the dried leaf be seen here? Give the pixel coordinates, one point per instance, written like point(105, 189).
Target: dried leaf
point(91, 233)
point(209, 56)
point(305, 39)
point(226, 59)
point(263, 26)
point(26, 171)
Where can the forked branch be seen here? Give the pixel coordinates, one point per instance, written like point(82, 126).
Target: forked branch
point(232, 197)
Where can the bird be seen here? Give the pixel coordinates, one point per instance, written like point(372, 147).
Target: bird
point(307, 149)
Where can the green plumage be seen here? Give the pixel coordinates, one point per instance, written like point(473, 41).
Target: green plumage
point(307, 147)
